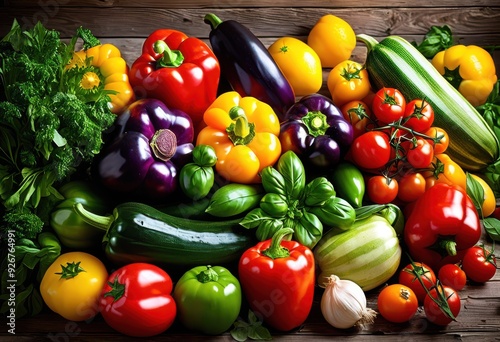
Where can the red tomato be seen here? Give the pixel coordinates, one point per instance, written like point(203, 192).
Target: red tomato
point(443, 294)
point(440, 139)
point(388, 105)
point(408, 277)
point(382, 190)
point(420, 155)
point(419, 115)
point(371, 150)
point(453, 276)
point(397, 303)
point(479, 264)
point(137, 301)
point(411, 187)
point(359, 115)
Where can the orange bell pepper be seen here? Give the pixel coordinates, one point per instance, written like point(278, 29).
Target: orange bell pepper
point(445, 170)
point(244, 134)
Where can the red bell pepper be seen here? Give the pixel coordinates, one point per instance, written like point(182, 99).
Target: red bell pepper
point(181, 71)
point(442, 225)
point(277, 278)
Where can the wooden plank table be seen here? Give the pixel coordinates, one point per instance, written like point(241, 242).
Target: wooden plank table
point(127, 23)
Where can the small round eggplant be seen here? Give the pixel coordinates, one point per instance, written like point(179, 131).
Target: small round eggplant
point(150, 144)
point(315, 129)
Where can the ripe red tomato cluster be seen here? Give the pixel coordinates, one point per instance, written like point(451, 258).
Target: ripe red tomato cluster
point(395, 141)
point(419, 285)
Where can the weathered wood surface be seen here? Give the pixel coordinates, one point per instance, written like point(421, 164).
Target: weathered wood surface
point(127, 23)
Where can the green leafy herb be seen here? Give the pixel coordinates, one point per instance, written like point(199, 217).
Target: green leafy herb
point(252, 329)
point(490, 110)
point(31, 260)
point(492, 227)
point(437, 39)
point(50, 125)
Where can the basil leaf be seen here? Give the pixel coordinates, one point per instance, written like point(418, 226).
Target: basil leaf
point(318, 191)
point(253, 218)
point(291, 168)
point(267, 228)
point(273, 181)
point(475, 192)
point(492, 227)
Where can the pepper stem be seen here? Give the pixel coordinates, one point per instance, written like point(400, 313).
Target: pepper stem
point(316, 123)
point(240, 132)
point(450, 246)
point(275, 250)
point(98, 221)
point(207, 275)
point(212, 20)
point(170, 58)
point(164, 144)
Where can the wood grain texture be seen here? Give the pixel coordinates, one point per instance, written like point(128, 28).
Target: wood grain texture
point(126, 24)
point(249, 4)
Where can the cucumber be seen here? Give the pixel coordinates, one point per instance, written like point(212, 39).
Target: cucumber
point(395, 63)
point(368, 253)
point(137, 232)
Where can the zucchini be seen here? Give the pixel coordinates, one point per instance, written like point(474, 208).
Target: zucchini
point(137, 232)
point(368, 253)
point(395, 63)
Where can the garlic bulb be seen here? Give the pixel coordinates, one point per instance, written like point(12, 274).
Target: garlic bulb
point(343, 304)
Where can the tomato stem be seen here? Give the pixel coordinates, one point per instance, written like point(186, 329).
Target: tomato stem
point(71, 270)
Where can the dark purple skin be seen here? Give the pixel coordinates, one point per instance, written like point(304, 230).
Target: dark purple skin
point(326, 149)
point(127, 164)
point(248, 66)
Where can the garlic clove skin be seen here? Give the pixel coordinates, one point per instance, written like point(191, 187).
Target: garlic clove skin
point(343, 304)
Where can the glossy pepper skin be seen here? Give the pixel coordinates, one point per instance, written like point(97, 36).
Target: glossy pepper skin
point(247, 64)
point(315, 129)
point(113, 73)
point(71, 230)
point(278, 279)
point(149, 145)
point(208, 299)
point(181, 71)
point(470, 69)
point(244, 134)
point(443, 223)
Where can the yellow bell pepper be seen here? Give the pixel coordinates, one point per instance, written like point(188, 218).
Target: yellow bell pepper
point(244, 134)
point(112, 72)
point(470, 69)
point(299, 63)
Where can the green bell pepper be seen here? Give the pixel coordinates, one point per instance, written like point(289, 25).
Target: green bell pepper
point(71, 229)
point(349, 183)
point(208, 299)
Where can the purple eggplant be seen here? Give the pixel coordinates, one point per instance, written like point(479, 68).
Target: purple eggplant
point(247, 65)
point(315, 129)
point(150, 143)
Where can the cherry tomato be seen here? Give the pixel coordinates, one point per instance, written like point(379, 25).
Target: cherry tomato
point(388, 105)
point(397, 303)
point(371, 150)
point(408, 277)
point(419, 115)
point(381, 189)
point(411, 187)
point(440, 139)
point(358, 114)
point(420, 155)
point(442, 294)
point(479, 264)
point(453, 276)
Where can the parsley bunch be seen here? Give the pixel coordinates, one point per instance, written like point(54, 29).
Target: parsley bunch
point(49, 125)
